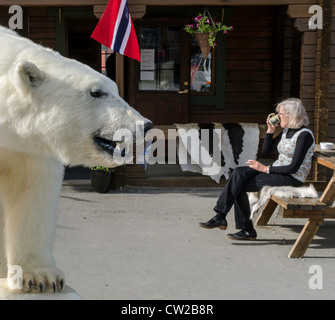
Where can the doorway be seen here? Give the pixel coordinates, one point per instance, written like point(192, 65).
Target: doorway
point(159, 85)
point(80, 45)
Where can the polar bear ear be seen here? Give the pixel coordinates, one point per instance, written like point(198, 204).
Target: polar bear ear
point(27, 76)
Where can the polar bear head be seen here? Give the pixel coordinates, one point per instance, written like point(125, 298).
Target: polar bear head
point(60, 107)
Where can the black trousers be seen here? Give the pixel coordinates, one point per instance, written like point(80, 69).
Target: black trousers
point(243, 180)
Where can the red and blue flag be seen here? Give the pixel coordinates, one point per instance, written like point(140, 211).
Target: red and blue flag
point(116, 31)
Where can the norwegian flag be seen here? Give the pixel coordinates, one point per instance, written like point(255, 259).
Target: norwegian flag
point(115, 30)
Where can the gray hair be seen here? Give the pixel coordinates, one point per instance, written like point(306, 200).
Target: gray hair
point(298, 115)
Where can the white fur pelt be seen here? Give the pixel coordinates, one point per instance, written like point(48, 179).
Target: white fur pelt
point(258, 199)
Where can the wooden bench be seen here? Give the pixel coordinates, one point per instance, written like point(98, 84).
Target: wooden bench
point(313, 209)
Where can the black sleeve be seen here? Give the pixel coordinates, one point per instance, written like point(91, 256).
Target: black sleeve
point(304, 142)
point(270, 144)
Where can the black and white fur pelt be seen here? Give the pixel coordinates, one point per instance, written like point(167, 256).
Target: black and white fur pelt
point(230, 145)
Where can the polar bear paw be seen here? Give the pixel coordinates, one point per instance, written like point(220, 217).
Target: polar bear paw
point(48, 279)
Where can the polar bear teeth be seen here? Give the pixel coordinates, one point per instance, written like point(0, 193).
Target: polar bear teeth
point(109, 146)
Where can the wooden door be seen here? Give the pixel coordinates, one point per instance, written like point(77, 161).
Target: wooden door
point(159, 85)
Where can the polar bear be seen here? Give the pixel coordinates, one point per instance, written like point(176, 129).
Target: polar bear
point(53, 111)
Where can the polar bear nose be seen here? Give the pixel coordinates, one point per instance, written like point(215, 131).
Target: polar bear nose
point(148, 125)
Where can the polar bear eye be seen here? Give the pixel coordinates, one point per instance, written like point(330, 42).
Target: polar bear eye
point(97, 93)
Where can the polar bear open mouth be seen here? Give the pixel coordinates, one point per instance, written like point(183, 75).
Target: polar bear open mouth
point(109, 146)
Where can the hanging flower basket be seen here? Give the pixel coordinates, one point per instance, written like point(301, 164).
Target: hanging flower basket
point(205, 31)
point(203, 42)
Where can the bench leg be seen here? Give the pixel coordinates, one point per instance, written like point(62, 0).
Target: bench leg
point(305, 238)
point(266, 213)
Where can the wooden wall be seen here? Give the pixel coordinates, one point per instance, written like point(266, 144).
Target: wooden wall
point(331, 110)
point(255, 78)
point(308, 73)
point(37, 25)
point(258, 66)
point(4, 16)
point(252, 78)
point(317, 69)
point(41, 27)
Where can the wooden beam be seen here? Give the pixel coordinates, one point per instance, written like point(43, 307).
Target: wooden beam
point(299, 11)
point(328, 195)
point(73, 3)
point(53, 3)
point(98, 10)
point(305, 238)
point(136, 11)
point(301, 24)
point(137, 7)
point(120, 73)
point(266, 213)
point(221, 2)
point(328, 213)
point(326, 161)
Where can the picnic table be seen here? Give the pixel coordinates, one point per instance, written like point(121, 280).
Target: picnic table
point(315, 210)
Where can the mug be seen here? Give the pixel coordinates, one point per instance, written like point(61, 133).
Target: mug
point(273, 119)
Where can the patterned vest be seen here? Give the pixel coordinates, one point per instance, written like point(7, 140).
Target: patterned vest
point(286, 149)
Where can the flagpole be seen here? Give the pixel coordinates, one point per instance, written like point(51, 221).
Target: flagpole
point(119, 77)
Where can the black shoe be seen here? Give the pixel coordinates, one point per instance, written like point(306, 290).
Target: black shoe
point(214, 223)
point(250, 235)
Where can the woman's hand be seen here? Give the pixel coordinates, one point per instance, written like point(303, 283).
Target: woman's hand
point(254, 164)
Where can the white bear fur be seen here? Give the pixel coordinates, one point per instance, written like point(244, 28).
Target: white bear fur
point(47, 118)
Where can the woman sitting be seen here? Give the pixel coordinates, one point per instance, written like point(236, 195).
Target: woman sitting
point(295, 145)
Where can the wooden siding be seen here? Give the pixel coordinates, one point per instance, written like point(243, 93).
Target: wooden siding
point(317, 70)
point(331, 110)
point(41, 27)
point(308, 73)
point(250, 68)
point(37, 25)
point(4, 16)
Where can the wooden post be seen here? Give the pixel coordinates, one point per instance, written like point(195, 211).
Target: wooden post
point(322, 80)
point(120, 73)
point(305, 238)
point(266, 213)
point(322, 73)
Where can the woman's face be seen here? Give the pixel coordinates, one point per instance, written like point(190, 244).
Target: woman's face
point(284, 117)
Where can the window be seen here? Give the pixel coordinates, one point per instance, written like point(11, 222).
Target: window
point(105, 54)
point(160, 58)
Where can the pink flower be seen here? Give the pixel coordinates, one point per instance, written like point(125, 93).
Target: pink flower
point(225, 32)
point(231, 28)
point(196, 19)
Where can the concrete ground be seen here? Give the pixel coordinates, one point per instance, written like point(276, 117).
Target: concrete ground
point(146, 244)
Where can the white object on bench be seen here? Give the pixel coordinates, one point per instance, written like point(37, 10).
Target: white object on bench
point(282, 192)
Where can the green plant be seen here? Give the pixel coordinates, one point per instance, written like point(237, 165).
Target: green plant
point(100, 168)
point(203, 24)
